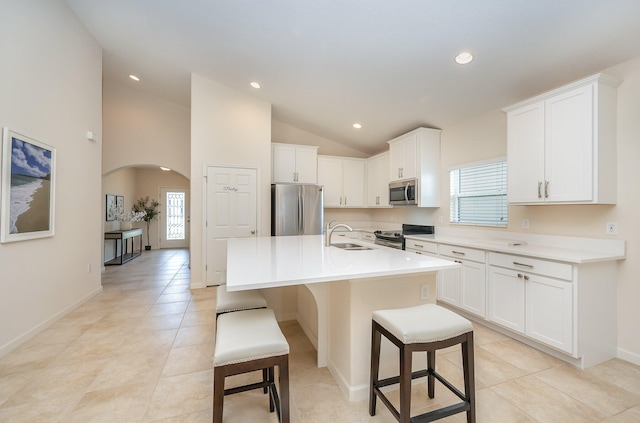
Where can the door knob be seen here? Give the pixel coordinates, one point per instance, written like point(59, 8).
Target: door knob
point(253, 232)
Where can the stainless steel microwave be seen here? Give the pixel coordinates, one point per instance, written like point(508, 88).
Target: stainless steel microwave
point(403, 193)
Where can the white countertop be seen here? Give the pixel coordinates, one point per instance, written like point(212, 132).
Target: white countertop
point(266, 262)
point(591, 251)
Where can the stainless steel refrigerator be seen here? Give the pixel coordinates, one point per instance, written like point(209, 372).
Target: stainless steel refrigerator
point(296, 210)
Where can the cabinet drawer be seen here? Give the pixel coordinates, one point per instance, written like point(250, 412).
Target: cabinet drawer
point(461, 253)
point(531, 265)
point(368, 236)
point(422, 246)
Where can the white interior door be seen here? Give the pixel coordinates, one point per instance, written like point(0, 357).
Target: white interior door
point(174, 219)
point(231, 213)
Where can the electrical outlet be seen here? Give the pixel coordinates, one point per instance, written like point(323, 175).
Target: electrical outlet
point(89, 268)
point(611, 228)
point(525, 223)
point(424, 292)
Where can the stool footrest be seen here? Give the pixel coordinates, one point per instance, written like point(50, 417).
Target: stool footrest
point(441, 413)
point(396, 379)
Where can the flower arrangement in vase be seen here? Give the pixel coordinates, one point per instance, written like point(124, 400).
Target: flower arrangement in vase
point(150, 208)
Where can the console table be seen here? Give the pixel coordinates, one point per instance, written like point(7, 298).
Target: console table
point(124, 236)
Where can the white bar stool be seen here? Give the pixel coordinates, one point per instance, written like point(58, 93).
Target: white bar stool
point(247, 341)
point(238, 300)
point(427, 327)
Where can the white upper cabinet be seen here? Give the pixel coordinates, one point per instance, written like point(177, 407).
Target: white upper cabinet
point(403, 157)
point(561, 146)
point(343, 180)
point(378, 181)
point(416, 155)
point(294, 164)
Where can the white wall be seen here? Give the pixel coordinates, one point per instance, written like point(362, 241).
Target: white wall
point(228, 128)
point(141, 129)
point(51, 89)
point(284, 133)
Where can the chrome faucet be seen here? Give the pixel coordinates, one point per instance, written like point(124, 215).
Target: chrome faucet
point(327, 234)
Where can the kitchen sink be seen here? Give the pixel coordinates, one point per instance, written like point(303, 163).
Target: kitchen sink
point(351, 246)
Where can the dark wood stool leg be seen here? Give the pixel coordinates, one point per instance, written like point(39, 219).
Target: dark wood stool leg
point(469, 377)
point(265, 377)
point(405, 384)
point(283, 381)
point(270, 378)
point(375, 367)
point(431, 367)
point(218, 394)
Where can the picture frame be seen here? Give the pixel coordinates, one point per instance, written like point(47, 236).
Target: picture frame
point(110, 207)
point(27, 201)
point(120, 205)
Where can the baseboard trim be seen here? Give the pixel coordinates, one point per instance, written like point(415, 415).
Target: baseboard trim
point(16, 342)
point(629, 356)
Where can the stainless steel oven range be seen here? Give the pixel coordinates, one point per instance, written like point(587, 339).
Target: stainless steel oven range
point(395, 239)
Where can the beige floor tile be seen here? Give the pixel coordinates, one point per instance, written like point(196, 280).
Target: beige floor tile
point(160, 309)
point(544, 402)
point(632, 415)
point(602, 396)
point(199, 318)
point(30, 357)
point(129, 369)
point(183, 394)
point(202, 304)
point(143, 341)
point(619, 372)
point(57, 382)
point(45, 411)
point(193, 358)
point(520, 355)
point(201, 416)
point(196, 335)
point(490, 370)
point(119, 404)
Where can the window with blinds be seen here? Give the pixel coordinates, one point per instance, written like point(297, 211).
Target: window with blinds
point(478, 194)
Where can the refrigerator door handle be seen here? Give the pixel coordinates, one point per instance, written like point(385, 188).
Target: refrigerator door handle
point(301, 215)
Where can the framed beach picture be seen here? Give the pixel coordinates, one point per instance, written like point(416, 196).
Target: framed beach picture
point(110, 205)
point(28, 188)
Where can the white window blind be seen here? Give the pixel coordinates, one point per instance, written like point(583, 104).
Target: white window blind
point(478, 194)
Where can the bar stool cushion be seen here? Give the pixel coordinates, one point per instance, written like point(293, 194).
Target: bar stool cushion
point(248, 335)
point(238, 300)
point(423, 323)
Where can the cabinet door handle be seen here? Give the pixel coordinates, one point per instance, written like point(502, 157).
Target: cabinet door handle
point(519, 275)
point(345, 201)
point(546, 189)
point(539, 189)
point(522, 264)
point(526, 278)
point(418, 245)
point(457, 261)
point(340, 200)
point(460, 253)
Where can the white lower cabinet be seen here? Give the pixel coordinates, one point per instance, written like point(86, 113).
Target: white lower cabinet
point(549, 311)
point(465, 287)
point(533, 297)
point(506, 298)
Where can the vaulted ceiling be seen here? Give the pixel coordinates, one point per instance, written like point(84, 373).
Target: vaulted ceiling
point(388, 65)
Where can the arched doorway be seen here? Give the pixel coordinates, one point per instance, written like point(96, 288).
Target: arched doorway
point(133, 182)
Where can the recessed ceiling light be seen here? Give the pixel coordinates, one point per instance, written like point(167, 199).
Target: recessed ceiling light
point(255, 85)
point(357, 125)
point(135, 78)
point(464, 58)
point(166, 169)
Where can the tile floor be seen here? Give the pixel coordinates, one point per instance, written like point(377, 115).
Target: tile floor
point(141, 352)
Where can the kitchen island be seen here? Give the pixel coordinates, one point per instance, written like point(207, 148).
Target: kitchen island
point(347, 286)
